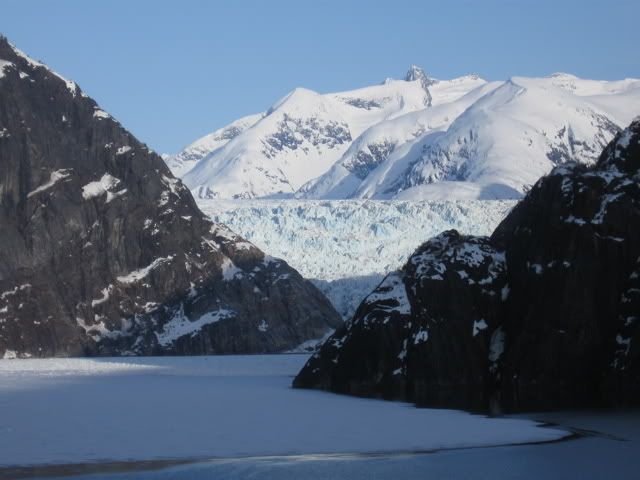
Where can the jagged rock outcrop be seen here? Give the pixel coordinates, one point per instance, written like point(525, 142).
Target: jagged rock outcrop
point(103, 251)
point(543, 314)
point(416, 73)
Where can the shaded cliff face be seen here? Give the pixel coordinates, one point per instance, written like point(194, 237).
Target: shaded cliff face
point(103, 251)
point(543, 314)
point(412, 320)
point(572, 248)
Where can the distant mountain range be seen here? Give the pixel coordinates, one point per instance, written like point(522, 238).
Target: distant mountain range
point(417, 138)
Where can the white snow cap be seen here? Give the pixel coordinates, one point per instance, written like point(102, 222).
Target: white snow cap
point(412, 139)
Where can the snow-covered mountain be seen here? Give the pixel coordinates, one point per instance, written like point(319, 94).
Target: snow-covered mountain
point(417, 138)
point(390, 139)
point(302, 135)
point(507, 139)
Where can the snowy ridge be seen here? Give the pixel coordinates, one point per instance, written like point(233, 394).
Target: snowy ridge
point(71, 85)
point(302, 135)
point(417, 138)
point(347, 247)
point(392, 138)
point(505, 141)
point(267, 158)
point(184, 161)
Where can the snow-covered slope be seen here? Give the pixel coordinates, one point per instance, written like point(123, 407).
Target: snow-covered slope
point(346, 247)
point(391, 137)
point(500, 139)
point(302, 135)
point(184, 161)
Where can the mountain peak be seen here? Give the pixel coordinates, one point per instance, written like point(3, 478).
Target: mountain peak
point(296, 98)
point(15, 58)
point(416, 73)
point(137, 289)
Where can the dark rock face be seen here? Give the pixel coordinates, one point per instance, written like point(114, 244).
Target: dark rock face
point(103, 251)
point(369, 157)
point(416, 73)
point(411, 321)
point(362, 103)
point(572, 246)
point(292, 131)
point(544, 314)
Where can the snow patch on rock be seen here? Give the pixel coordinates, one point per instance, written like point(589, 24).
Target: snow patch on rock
point(139, 274)
point(54, 178)
point(478, 326)
point(180, 325)
point(94, 189)
point(391, 290)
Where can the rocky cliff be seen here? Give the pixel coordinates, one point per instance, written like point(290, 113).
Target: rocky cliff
point(103, 251)
point(543, 314)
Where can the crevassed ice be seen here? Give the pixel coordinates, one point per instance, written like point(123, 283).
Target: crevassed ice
point(346, 247)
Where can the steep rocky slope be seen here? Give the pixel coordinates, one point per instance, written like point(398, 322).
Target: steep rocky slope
point(543, 314)
point(103, 251)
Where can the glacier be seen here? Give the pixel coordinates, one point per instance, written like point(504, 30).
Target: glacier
point(346, 247)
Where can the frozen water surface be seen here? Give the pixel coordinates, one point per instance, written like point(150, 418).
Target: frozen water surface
point(70, 411)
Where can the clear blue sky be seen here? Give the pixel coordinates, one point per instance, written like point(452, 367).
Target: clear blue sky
point(173, 71)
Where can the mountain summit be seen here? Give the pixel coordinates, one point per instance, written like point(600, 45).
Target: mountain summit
point(417, 74)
